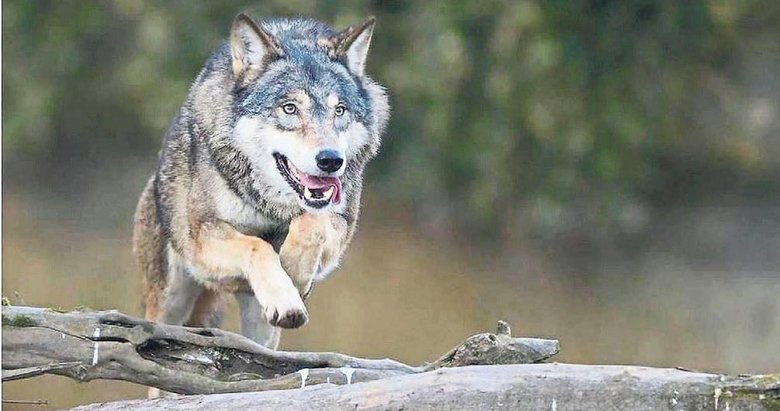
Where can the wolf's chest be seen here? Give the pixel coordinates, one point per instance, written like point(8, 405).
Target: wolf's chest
point(246, 219)
point(231, 208)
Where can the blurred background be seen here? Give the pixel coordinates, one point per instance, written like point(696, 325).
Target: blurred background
point(603, 172)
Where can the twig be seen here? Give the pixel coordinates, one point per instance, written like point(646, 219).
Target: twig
point(20, 373)
point(28, 402)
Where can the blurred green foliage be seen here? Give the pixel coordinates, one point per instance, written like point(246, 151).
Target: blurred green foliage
point(549, 116)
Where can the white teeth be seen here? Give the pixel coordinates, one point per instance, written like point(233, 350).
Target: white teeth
point(307, 194)
point(328, 193)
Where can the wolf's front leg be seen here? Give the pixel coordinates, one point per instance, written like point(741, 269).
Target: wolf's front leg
point(224, 253)
point(313, 247)
point(254, 325)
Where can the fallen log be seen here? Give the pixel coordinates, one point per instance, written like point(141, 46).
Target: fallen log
point(111, 345)
point(237, 373)
point(555, 387)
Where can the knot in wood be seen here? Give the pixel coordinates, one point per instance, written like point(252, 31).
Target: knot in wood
point(503, 328)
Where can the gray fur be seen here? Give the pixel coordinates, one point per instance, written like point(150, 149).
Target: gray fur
point(253, 325)
point(180, 295)
point(216, 167)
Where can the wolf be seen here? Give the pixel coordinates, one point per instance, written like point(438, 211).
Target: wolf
point(258, 184)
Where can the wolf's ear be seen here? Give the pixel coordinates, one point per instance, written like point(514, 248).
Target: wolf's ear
point(250, 45)
point(352, 45)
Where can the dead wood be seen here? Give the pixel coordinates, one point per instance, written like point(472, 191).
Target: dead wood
point(111, 345)
point(487, 371)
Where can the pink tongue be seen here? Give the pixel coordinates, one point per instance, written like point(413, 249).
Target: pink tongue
point(322, 183)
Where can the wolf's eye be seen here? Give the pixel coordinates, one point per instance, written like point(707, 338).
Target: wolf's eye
point(340, 110)
point(289, 108)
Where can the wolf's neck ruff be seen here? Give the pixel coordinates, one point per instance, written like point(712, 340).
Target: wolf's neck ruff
point(237, 172)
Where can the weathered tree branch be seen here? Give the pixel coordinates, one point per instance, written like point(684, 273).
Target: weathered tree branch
point(21, 373)
point(210, 361)
point(110, 345)
point(504, 387)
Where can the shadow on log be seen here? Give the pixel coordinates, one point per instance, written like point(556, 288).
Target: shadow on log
point(487, 371)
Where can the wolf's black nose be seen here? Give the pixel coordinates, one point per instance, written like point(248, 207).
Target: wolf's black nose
point(329, 160)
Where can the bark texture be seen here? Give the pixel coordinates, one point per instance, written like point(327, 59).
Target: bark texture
point(487, 371)
point(88, 345)
point(502, 387)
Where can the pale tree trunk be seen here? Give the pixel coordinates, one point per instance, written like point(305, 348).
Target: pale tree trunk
point(502, 387)
point(487, 371)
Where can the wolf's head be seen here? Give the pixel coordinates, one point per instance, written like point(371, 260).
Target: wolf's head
point(306, 117)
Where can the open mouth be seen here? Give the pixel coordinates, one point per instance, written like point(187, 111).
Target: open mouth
point(316, 192)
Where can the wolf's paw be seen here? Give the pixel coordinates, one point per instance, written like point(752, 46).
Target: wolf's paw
point(286, 311)
point(291, 319)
